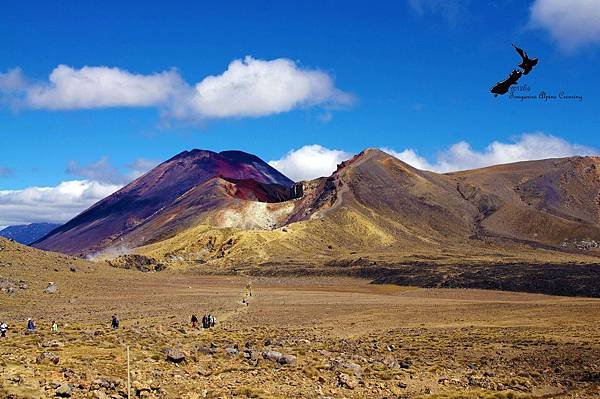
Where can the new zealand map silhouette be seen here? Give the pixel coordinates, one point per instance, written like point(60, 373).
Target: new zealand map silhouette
point(526, 65)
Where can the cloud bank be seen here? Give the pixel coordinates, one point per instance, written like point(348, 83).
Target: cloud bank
point(312, 161)
point(69, 198)
point(461, 156)
point(248, 88)
point(572, 24)
point(51, 204)
point(309, 162)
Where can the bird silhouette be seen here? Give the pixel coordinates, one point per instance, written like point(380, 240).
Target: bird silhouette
point(503, 86)
point(527, 63)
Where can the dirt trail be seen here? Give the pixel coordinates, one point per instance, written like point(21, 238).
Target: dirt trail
point(242, 308)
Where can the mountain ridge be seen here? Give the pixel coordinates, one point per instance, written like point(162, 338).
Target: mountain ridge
point(27, 233)
point(372, 200)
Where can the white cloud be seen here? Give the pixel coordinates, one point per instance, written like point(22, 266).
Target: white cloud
point(461, 156)
point(572, 24)
point(51, 204)
point(248, 88)
point(409, 156)
point(12, 80)
point(100, 87)
point(252, 87)
point(62, 202)
point(310, 162)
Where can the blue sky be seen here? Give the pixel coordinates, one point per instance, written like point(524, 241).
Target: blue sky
point(412, 77)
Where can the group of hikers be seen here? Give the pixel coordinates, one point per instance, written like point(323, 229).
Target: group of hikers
point(31, 327)
point(208, 321)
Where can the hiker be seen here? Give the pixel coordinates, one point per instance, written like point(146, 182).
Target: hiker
point(30, 325)
point(54, 326)
point(212, 320)
point(194, 321)
point(3, 329)
point(205, 323)
point(114, 322)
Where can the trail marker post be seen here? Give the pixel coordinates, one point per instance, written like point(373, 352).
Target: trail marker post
point(128, 376)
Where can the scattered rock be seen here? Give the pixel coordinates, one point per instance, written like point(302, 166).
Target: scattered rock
point(11, 287)
point(289, 360)
point(142, 263)
point(346, 381)
point(232, 351)
point(206, 350)
point(97, 394)
point(51, 288)
point(53, 344)
point(405, 364)
point(64, 391)
point(101, 383)
point(47, 358)
point(273, 356)
point(175, 355)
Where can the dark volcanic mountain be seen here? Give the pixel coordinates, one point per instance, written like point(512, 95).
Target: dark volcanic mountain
point(27, 233)
point(190, 179)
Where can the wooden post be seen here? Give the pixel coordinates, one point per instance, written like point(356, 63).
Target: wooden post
point(128, 376)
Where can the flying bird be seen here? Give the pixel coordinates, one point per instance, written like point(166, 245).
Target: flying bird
point(503, 86)
point(527, 63)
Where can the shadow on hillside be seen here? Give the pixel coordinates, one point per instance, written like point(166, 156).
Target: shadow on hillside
point(550, 279)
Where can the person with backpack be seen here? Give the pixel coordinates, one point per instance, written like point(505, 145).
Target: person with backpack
point(205, 323)
point(3, 329)
point(194, 321)
point(30, 325)
point(212, 320)
point(54, 328)
point(114, 322)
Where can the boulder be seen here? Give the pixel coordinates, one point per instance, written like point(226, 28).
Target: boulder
point(175, 355)
point(51, 288)
point(289, 360)
point(232, 351)
point(47, 358)
point(64, 391)
point(346, 381)
point(273, 356)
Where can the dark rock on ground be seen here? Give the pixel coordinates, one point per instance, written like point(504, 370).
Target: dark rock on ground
point(175, 355)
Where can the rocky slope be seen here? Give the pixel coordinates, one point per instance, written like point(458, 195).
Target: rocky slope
point(377, 210)
point(373, 207)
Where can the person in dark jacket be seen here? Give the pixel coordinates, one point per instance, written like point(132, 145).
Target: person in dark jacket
point(194, 321)
point(30, 325)
point(114, 322)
